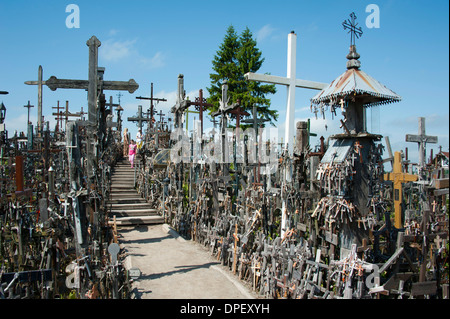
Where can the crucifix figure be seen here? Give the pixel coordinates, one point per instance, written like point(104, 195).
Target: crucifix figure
point(422, 139)
point(181, 104)
point(151, 98)
point(291, 82)
point(398, 178)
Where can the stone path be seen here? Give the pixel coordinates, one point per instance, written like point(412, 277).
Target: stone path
point(174, 268)
point(126, 204)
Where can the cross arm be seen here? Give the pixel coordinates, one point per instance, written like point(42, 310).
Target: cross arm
point(285, 81)
point(180, 107)
point(54, 83)
point(421, 138)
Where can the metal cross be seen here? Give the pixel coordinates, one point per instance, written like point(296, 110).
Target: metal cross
point(200, 103)
point(354, 31)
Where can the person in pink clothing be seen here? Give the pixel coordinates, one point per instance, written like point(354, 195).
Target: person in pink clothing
point(132, 152)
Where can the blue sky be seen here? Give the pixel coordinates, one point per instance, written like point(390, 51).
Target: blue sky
point(154, 41)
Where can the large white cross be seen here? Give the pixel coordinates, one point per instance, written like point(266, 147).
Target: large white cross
point(291, 82)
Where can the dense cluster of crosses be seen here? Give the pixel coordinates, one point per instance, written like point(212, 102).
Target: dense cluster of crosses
point(328, 224)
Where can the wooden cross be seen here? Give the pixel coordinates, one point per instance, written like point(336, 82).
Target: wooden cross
point(224, 108)
point(291, 82)
point(151, 98)
point(181, 104)
point(161, 116)
point(398, 178)
point(389, 149)
point(236, 239)
point(28, 106)
point(422, 139)
point(59, 115)
point(139, 118)
point(92, 84)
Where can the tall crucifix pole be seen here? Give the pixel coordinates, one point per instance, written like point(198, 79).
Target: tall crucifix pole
point(422, 139)
point(291, 82)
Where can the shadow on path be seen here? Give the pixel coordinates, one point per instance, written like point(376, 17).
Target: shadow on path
point(183, 269)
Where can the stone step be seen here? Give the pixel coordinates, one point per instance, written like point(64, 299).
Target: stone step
point(129, 200)
point(134, 212)
point(138, 220)
point(124, 186)
point(124, 195)
point(134, 205)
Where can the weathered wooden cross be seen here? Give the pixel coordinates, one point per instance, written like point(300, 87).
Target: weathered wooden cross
point(59, 115)
point(291, 82)
point(398, 178)
point(28, 106)
point(181, 104)
point(139, 118)
point(422, 139)
point(224, 108)
point(92, 84)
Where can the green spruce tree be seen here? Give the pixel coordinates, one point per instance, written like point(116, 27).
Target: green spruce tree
point(235, 57)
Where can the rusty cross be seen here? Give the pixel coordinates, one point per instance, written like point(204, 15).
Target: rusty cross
point(200, 104)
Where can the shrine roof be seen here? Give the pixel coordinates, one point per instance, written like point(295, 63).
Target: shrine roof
point(356, 82)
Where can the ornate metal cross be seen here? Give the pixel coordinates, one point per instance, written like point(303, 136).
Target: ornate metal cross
point(354, 31)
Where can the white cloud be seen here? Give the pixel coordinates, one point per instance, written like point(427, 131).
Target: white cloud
point(265, 32)
point(116, 50)
point(156, 61)
point(113, 32)
point(113, 51)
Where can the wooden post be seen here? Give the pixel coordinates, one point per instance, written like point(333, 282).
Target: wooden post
point(236, 239)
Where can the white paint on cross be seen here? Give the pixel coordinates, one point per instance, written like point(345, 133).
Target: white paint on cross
point(291, 82)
